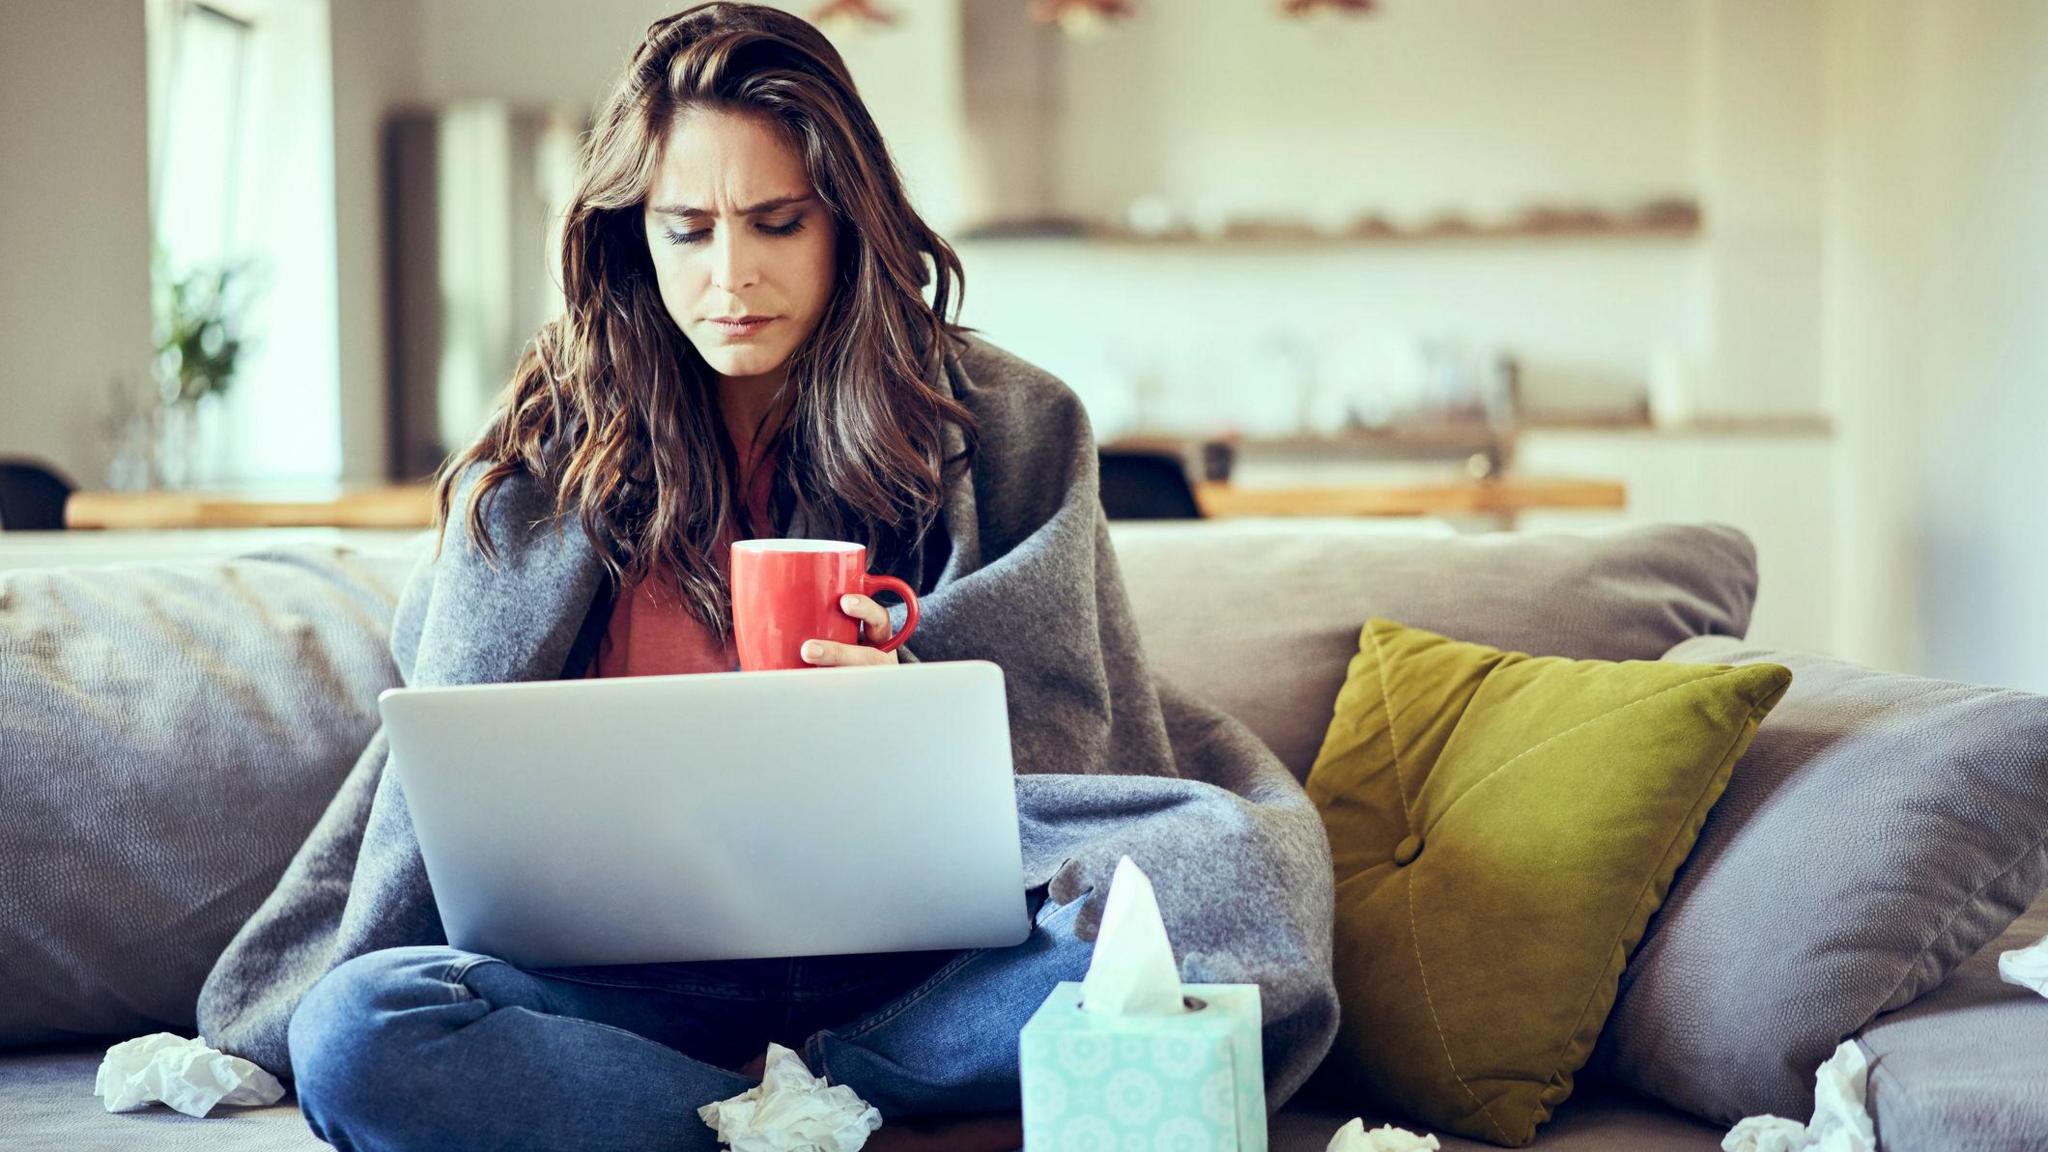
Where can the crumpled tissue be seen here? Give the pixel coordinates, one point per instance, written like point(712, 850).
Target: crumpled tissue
point(1840, 1123)
point(1353, 1137)
point(1765, 1134)
point(791, 1110)
point(2026, 967)
point(185, 1074)
point(1132, 972)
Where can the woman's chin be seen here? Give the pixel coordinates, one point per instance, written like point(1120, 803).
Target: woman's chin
point(742, 363)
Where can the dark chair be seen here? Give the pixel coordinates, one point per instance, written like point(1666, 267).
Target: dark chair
point(1146, 485)
point(32, 497)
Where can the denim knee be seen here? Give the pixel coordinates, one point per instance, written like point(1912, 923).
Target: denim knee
point(356, 1038)
point(950, 1044)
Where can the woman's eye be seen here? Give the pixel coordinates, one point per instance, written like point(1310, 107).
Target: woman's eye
point(789, 227)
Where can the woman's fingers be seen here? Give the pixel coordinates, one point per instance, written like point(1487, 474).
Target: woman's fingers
point(832, 654)
point(875, 629)
point(864, 609)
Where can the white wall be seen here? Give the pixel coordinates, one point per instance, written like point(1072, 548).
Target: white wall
point(1481, 106)
point(1938, 354)
point(74, 227)
point(1762, 131)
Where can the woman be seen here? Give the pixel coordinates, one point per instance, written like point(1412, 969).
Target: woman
point(748, 350)
point(732, 350)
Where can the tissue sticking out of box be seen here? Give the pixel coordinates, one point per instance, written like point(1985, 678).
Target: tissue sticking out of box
point(185, 1074)
point(1132, 972)
point(1353, 1137)
point(791, 1110)
point(1122, 1060)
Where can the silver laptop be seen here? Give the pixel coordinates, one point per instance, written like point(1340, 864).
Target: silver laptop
point(810, 812)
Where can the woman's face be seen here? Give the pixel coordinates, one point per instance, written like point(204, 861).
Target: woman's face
point(736, 230)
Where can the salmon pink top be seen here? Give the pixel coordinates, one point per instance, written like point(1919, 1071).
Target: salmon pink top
point(652, 632)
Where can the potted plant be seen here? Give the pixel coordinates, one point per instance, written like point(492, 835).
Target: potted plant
point(198, 343)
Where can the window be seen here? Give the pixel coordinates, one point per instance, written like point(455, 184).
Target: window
point(241, 157)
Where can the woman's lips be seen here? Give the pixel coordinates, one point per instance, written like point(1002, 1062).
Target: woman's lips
point(739, 329)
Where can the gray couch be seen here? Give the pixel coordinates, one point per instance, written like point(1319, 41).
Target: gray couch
point(1259, 618)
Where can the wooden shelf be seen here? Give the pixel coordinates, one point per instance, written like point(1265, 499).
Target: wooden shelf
point(1478, 437)
point(1296, 236)
point(1726, 426)
point(1473, 436)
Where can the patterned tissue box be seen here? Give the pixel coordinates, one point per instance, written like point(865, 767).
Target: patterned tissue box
point(1195, 1082)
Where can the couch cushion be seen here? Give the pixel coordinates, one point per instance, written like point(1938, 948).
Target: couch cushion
point(1965, 1067)
point(1880, 830)
point(46, 1105)
point(1262, 618)
point(168, 734)
point(1502, 826)
point(1594, 1121)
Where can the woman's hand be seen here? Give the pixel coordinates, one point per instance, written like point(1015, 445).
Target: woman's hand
point(876, 630)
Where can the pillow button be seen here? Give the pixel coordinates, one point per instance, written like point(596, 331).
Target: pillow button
point(1407, 850)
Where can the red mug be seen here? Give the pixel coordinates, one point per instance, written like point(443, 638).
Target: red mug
point(786, 591)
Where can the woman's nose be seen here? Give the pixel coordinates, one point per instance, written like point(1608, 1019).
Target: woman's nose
point(734, 260)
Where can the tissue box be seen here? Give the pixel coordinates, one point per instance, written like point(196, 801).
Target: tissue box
point(1196, 1081)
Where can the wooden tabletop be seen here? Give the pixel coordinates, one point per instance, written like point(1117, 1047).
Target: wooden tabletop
point(412, 506)
point(396, 506)
point(1505, 496)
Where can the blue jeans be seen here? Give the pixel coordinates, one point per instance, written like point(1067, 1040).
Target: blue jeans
point(436, 1048)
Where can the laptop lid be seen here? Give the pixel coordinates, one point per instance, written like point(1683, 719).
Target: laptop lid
point(723, 816)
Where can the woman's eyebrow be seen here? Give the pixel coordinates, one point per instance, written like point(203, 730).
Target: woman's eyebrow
point(749, 210)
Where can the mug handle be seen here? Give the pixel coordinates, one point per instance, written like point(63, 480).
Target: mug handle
point(871, 584)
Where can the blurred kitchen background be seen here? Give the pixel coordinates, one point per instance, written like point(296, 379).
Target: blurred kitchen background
point(1777, 263)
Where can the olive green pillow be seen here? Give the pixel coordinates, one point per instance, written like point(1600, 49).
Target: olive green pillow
point(1502, 828)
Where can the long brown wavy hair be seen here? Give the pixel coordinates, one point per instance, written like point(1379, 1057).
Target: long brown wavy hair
point(613, 407)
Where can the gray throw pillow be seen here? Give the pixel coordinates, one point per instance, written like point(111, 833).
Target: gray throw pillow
point(168, 734)
point(1879, 831)
point(1262, 618)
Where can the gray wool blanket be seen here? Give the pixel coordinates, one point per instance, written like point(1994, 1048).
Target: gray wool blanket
point(1109, 760)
